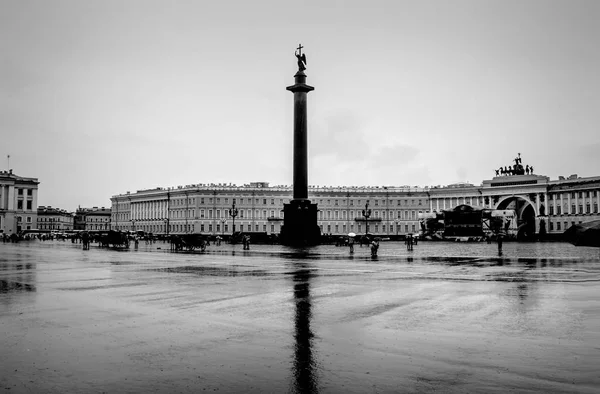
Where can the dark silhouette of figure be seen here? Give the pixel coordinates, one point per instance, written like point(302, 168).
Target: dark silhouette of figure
point(497, 172)
point(301, 58)
point(85, 240)
point(409, 242)
point(531, 169)
point(499, 239)
point(374, 248)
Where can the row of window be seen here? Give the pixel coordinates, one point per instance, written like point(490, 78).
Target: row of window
point(53, 227)
point(574, 210)
point(266, 201)
point(55, 219)
point(20, 204)
point(328, 214)
point(27, 219)
point(580, 194)
point(20, 192)
point(336, 228)
point(389, 215)
point(557, 225)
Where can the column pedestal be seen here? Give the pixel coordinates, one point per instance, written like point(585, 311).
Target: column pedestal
point(300, 224)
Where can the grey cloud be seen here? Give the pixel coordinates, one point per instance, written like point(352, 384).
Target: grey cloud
point(341, 135)
point(394, 155)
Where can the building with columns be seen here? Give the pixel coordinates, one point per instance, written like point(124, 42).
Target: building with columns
point(544, 205)
point(572, 201)
point(18, 203)
point(203, 208)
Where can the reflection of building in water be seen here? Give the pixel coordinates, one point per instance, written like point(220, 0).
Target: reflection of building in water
point(16, 278)
point(541, 205)
point(304, 370)
point(18, 203)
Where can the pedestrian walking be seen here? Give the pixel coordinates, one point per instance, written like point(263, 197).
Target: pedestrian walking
point(374, 248)
point(499, 239)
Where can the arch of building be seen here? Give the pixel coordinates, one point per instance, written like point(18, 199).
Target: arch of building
point(526, 214)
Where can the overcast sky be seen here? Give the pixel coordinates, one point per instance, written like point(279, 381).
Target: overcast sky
point(98, 98)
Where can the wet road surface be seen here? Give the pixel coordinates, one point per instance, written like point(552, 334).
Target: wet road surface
point(445, 317)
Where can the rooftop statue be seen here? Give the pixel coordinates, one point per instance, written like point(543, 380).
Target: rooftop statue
point(301, 58)
point(515, 169)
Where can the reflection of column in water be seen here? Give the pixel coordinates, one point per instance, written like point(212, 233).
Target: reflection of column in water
point(305, 379)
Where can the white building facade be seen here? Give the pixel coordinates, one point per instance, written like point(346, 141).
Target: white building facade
point(548, 205)
point(18, 203)
point(206, 209)
point(551, 206)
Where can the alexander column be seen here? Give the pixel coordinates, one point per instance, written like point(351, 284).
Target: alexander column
point(300, 215)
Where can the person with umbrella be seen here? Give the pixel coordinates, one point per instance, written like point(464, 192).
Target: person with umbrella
point(351, 242)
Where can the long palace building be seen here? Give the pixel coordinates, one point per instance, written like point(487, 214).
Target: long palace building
point(205, 209)
point(394, 210)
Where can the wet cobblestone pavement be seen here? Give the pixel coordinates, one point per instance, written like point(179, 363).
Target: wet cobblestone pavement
point(445, 317)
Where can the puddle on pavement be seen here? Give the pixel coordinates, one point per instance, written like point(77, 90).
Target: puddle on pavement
point(10, 286)
point(212, 271)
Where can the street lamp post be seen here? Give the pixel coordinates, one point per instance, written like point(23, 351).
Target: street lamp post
point(233, 212)
point(397, 228)
point(223, 221)
point(367, 214)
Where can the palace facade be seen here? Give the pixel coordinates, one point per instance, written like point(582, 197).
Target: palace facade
point(206, 208)
point(546, 206)
point(18, 203)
